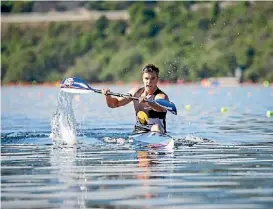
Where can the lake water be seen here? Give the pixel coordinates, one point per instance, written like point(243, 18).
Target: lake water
point(220, 160)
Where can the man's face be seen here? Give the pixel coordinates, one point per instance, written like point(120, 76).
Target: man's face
point(150, 80)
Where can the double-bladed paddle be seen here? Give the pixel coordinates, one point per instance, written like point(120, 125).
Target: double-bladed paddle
point(78, 86)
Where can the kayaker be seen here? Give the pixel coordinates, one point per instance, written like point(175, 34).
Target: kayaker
point(149, 116)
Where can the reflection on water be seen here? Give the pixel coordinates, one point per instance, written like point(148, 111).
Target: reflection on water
point(64, 160)
point(84, 177)
point(221, 160)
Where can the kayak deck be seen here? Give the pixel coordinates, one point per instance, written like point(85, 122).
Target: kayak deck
point(154, 140)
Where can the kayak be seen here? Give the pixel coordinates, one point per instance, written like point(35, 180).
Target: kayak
point(154, 140)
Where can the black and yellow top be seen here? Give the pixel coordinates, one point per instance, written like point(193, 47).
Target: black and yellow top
point(145, 116)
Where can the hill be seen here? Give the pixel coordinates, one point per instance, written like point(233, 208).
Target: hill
point(185, 42)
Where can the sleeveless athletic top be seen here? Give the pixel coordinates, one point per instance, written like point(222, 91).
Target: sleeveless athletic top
point(145, 116)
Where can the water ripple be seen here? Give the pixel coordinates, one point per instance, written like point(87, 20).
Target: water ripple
point(220, 160)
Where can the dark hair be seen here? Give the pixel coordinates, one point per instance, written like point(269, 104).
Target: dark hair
point(150, 68)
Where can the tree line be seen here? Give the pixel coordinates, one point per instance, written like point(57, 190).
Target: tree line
point(186, 45)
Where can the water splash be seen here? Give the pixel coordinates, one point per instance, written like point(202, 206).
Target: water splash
point(190, 140)
point(63, 123)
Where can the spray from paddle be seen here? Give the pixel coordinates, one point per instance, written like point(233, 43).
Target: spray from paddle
point(63, 123)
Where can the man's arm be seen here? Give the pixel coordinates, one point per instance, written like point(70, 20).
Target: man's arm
point(156, 107)
point(114, 102)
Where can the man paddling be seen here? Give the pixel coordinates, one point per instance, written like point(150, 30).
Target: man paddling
point(149, 116)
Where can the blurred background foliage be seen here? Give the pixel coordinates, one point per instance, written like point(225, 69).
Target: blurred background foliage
point(187, 40)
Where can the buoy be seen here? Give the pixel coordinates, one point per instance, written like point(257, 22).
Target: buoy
point(269, 113)
point(224, 109)
point(266, 83)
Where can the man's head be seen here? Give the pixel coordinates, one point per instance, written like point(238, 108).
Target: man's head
point(150, 68)
point(150, 76)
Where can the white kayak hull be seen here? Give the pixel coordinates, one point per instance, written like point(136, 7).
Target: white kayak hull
point(154, 140)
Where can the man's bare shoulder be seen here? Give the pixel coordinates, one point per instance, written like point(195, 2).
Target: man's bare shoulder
point(162, 95)
point(134, 90)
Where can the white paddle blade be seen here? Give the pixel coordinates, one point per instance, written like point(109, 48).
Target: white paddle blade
point(75, 86)
point(76, 91)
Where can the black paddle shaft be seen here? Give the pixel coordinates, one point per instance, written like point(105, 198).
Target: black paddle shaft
point(129, 96)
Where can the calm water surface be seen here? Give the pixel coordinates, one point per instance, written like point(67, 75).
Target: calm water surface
point(221, 160)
